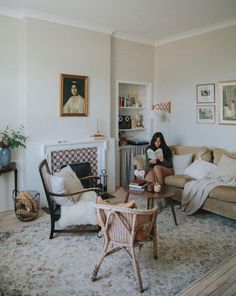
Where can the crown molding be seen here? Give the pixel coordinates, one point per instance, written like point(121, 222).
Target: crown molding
point(199, 31)
point(133, 38)
point(40, 15)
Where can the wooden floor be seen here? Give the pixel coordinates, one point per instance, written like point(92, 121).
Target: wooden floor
point(219, 282)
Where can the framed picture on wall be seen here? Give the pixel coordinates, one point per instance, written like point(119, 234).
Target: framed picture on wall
point(205, 114)
point(227, 101)
point(205, 93)
point(74, 95)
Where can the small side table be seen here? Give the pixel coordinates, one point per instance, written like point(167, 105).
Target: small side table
point(10, 168)
point(165, 193)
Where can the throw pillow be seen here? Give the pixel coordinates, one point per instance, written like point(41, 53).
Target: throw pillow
point(226, 168)
point(199, 169)
point(71, 182)
point(57, 186)
point(181, 162)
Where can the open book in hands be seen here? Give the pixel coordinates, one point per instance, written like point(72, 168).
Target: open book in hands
point(154, 154)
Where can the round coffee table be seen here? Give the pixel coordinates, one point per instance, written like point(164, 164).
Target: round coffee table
point(165, 193)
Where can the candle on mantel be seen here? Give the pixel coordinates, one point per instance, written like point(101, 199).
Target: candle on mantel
point(98, 126)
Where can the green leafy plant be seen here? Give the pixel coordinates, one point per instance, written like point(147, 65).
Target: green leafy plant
point(11, 139)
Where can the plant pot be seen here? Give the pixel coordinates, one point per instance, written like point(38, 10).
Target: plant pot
point(5, 156)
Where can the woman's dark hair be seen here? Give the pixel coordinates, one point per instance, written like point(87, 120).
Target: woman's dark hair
point(166, 150)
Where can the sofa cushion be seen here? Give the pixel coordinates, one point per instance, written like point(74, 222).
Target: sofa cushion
point(227, 193)
point(217, 153)
point(225, 168)
point(178, 180)
point(181, 162)
point(197, 152)
point(199, 169)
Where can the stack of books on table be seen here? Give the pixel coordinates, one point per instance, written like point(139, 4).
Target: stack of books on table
point(138, 185)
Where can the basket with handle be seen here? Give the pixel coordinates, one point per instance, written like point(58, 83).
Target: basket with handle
point(26, 204)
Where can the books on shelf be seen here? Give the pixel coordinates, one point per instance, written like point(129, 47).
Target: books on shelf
point(154, 154)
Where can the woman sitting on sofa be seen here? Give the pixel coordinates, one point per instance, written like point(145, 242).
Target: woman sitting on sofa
point(158, 160)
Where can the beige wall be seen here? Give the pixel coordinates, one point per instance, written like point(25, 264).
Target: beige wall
point(207, 58)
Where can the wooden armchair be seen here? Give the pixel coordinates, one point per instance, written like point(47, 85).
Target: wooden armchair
point(125, 229)
point(55, 209)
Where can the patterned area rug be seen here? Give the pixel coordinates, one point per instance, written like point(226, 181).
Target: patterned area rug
point(31, 264)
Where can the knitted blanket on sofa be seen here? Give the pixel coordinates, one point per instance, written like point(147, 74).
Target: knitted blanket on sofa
point(196, 192)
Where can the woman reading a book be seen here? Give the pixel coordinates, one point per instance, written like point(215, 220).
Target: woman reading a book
point(158, 160)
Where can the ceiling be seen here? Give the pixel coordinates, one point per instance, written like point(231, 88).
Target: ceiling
point(153, 21)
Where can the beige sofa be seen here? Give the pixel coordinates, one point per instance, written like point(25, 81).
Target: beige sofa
point(221, 200)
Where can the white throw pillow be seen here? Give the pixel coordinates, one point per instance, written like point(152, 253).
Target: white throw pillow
point(57, 186)
point(199, 169)
point(180, 162)
point(225, 168)
point(71, 182)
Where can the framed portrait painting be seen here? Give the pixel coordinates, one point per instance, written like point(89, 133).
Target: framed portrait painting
point(227, 101)
point(74, 95)
point(205, 113)
point(205, 93)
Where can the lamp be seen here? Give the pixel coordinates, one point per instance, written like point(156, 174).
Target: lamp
point(162, 106)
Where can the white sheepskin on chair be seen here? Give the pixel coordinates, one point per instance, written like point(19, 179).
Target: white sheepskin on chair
point(82, 213)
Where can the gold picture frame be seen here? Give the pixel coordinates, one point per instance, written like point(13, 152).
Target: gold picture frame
point(227, 102)
point(74, 95)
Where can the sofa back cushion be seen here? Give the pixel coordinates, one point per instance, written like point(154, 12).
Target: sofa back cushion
point(201, 151)
point(217, 153)
point(225, 168)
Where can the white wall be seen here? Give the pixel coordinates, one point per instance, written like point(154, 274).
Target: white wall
point(130, 61)
point(179, 67)
point(52, 49)
point(33, 55)
point(11, 111)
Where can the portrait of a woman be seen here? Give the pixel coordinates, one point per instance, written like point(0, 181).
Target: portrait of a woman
point(74, 99)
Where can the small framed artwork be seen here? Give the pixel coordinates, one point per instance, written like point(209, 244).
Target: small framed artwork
point(205, 93)
point(74, 95)
point(227, 100)
point(205, 113)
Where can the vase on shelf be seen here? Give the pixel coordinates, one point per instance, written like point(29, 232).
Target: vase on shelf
point(5, 156)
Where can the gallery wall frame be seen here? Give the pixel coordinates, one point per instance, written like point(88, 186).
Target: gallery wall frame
point(205, 113)
point(73, 95)
point(205, 93)
point(227, 102)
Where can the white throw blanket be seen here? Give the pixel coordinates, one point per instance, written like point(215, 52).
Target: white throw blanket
point(196, 192)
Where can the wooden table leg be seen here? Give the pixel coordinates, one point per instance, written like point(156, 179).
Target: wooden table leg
point(15, 175)
point(126, 197)
point(173, 211)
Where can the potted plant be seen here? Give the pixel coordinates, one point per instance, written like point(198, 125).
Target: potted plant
point(10, 139)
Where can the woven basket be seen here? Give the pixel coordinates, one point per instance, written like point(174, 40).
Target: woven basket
point(26, 205)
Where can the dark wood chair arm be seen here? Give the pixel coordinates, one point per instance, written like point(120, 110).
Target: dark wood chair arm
point(90, 177)
point(74, 193)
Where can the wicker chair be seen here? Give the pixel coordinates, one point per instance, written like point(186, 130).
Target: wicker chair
point(125, 229)
point(55, 209)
